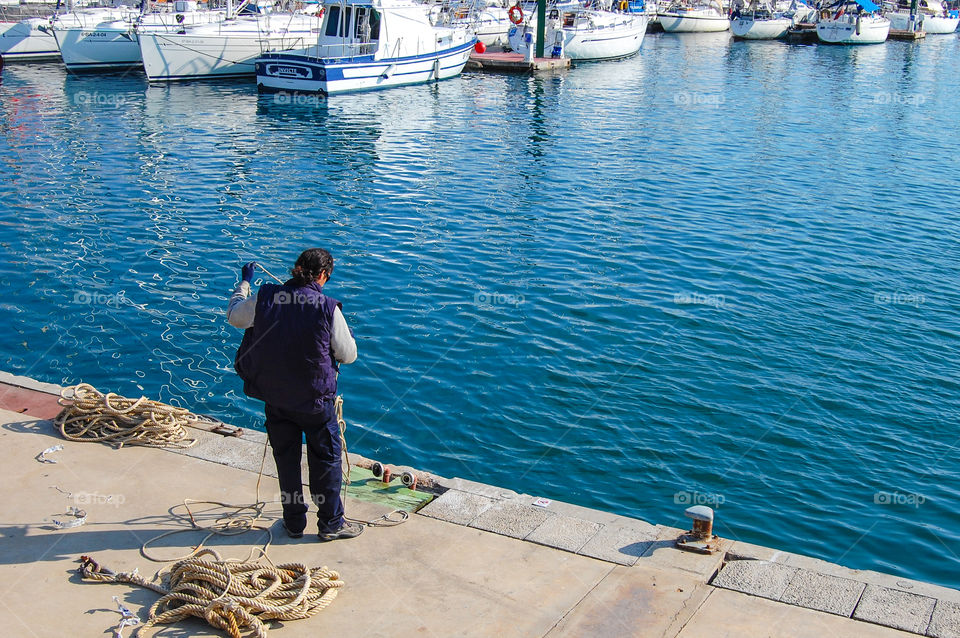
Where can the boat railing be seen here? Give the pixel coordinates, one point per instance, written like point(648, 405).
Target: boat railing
point(344, 49)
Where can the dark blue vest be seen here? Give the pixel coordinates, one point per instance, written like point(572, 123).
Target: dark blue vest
point(285, 359)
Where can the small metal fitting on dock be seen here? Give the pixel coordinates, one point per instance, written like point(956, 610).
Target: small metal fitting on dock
point(700, 538)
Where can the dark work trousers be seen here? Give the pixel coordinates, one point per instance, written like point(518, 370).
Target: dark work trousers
point(286, 431)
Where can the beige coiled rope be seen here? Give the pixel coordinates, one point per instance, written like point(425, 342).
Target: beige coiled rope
point(91, 415)
point(230, 595)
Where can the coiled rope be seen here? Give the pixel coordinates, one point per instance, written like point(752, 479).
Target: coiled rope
point(230, 595)
point(91, 415)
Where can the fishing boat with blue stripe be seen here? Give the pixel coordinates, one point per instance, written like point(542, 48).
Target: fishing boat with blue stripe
point(367, 45)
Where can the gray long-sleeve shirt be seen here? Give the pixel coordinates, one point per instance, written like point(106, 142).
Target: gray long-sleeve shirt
point(243, 309)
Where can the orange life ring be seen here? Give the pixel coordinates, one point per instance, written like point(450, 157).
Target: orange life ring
point(515, 13)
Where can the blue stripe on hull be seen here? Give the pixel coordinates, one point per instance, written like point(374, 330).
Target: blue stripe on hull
point(322, 75)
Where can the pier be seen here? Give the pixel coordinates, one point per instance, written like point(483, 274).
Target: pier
point(906, 34)
point(476, 560)
point(501, 62)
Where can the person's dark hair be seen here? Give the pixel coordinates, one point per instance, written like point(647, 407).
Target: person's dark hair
point(310, 265)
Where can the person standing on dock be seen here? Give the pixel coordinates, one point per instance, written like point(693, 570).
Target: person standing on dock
point(289, 358)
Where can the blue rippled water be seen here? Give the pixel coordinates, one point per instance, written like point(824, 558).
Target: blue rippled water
point(717, 272)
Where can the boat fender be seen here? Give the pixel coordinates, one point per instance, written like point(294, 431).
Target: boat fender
point(515, 13)
point(858, 25)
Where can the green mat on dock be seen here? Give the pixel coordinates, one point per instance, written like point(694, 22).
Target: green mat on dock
point(364, 487)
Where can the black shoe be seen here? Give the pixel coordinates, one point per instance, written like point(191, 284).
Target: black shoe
point(348, 530)
point(291, 534)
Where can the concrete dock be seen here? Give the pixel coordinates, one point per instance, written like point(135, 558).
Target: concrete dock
point(477, 560)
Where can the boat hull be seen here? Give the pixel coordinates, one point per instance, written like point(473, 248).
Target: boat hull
point(97, 49)
point(25, 41)
point(750, 29)
point(931, 24)
point(616, 43)
point(299, 73)
point(845, 31)
point(176, 56)
point(693, 22)
point(616, 40)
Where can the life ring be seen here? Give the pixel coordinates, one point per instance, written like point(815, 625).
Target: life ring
point(515, 13)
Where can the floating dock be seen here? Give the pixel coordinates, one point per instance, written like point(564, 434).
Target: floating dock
point(500, 62)
point(474, 560)
point(805, 33)
point(906, 34)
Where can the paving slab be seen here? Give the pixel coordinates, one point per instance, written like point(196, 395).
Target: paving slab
point(731, 614)
point(564, 532)
point(457, 507)
point(622, 543)
point(756, 577)
point(870, 577)
point(831, 594)
point(894, 608)
point(635, 601)
point(511, 518)
point(664, 554)
point(945, 622)
point(481, 489)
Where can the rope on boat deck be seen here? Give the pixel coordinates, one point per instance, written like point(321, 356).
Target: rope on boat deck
point(231, 595)
point(91, 415)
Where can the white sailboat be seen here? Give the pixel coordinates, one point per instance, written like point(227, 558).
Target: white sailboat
point(224, 49)
point(32, 39)
point(758, 21)
point(699, 16)
point(933, 17)
point(583, 34)
point(115, 44)
point(364, 45)
point(488, 19)
point(852, 22)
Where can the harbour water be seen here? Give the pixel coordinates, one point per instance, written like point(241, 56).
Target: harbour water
point(718, 272)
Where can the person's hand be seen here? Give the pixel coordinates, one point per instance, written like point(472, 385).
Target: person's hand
point(246, 273)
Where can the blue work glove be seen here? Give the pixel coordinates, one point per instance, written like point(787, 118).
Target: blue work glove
point(246, 273)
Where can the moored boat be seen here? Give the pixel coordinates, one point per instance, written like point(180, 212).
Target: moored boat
point(369, 44)
point(115, 44)
point(933, 17)
point(584, 34)
point(704, 16)
point(32, 39)
point(759, 22)
point(852, 22)
point(225, 49)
